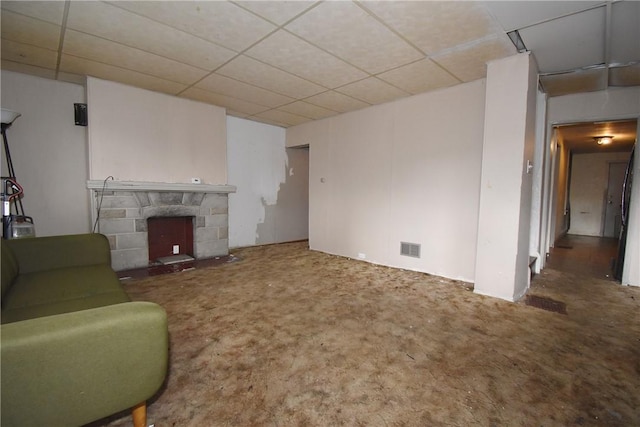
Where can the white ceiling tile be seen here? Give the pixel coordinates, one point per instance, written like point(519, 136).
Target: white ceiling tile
point(352, 34)
point(421, 76)
point(514, 15)
point(240, 90)
point(469, 62)
point(288, 52)
point(75, 65)
point(282, 117)
point(277, 12)
point(373, 91)
point(72, 78)
point(28, 54)
point(237, 114)
point(305, 109)
point(625, 76)
point(336, 101)
point(216, 21)
point(48, 11)
point(625, 32)
point(24, 29)
point(230, 103)
point(116, 24)
point(578, 81)
point(268, 122)
point(28, 69)
point(108, 52)
point(567, 43)
point(256, 73)
point(436, 25)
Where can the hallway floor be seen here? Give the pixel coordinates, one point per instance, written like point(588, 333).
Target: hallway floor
point(578, 269)
point(584, 255)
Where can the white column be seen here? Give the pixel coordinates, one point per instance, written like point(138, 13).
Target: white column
point(502, 260)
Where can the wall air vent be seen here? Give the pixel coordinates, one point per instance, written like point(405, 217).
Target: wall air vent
point(410, 249)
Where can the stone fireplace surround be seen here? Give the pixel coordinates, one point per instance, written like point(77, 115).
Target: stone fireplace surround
point(125, 207)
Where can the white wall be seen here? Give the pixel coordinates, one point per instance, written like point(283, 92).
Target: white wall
point(271, 204)
point(589, 182)
point(139, 135)
point(49, 152)
point(403, 171)
point(538, 188)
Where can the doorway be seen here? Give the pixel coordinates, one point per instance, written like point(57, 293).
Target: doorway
point(594, 185)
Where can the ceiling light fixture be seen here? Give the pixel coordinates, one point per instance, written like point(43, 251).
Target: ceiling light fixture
point(603, 140)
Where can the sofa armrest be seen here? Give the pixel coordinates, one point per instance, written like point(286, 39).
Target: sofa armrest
point(46, 253)
point(74, 368)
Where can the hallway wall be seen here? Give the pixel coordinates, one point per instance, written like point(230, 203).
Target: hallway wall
point(562, 190)
point(589, 181)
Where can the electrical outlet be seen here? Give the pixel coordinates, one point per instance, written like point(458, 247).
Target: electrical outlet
point(195, 180)
point(176, 249)
point(362, 256)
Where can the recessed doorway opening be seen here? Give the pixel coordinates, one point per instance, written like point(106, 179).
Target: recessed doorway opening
point(590, 187)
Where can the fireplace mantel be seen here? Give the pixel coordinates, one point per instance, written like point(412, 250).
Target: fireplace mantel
point(99, 185)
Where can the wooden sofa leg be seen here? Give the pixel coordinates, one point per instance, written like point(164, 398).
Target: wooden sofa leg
point(139, 413)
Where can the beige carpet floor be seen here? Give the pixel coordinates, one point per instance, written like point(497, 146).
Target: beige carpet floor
point(291, 337)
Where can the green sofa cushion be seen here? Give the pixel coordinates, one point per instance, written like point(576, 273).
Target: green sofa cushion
point(61, 285)
point(61, 291)
point(60, 307)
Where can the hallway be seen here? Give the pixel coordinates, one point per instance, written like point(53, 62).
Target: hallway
point(584, 255)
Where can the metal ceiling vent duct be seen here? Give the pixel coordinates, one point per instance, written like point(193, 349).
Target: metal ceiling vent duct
point(410, 249)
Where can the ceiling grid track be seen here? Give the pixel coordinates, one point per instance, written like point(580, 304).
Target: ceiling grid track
point(607, 41)
point(63, 29)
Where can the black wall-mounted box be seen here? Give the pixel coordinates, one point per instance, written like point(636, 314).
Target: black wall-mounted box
point(80, 111)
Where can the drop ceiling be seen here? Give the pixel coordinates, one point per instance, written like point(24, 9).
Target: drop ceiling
point(289, 62)
point(580, 138)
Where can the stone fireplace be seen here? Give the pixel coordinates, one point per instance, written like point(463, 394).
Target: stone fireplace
point(121, 210)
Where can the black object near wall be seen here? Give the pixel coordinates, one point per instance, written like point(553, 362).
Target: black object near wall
point(80, 111)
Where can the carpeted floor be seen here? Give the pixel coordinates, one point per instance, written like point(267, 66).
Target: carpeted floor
point(291, 337)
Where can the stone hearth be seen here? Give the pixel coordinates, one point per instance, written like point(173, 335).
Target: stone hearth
point(125, 206)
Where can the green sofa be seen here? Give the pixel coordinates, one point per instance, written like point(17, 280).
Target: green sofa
point(74, 348)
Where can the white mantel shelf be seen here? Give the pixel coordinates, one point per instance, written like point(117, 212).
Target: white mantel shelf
point(100, 185)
